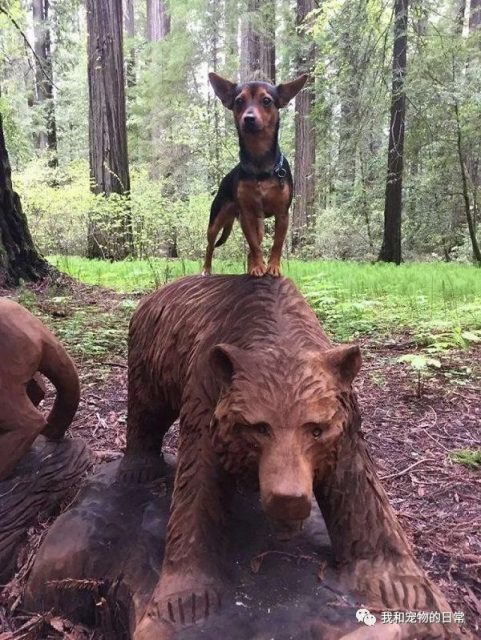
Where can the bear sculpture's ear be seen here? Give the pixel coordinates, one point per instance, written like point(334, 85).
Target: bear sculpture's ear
point(224, 360)
point(288, 90)
point(224, 89)
point(344, 361)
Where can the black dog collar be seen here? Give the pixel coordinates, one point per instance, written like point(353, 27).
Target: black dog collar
point(278, 170)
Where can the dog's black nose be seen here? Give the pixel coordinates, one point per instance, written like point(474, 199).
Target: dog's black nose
point(249, 120)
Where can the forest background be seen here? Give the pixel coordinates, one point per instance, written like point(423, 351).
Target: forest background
point(116, 146)
point(388, 125)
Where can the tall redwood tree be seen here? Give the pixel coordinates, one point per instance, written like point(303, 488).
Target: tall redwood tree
point(305, 136)
point(258, 51)
point(391, 244)
point(158, 20)
point(109, 168)
point(43, 78)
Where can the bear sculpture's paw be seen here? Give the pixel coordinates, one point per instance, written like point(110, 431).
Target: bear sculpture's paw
point(176, 611)
point(191, 607)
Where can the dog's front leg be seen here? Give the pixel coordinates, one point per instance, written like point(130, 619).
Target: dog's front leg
point(249, 222)
point(280, 232)
point(192, 578)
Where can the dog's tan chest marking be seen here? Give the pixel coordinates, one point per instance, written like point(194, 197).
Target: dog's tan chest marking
point(265, 198)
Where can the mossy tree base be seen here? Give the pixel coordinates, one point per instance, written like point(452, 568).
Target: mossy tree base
point(19, 259)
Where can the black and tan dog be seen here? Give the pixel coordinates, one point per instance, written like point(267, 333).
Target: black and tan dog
point(260, 186)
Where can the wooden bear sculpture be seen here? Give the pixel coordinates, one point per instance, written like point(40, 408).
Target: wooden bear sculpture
point(264, 397)
point(28, 347)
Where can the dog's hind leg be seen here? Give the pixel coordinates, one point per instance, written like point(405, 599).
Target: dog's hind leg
point(223, 220)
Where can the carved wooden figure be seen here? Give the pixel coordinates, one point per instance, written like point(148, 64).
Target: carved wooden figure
point(28, 347)
point(264, 398)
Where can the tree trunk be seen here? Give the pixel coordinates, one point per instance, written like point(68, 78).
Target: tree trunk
point(231, 39)
point(108, 236)
point(157, 29)
point(212, 35)
point(130, 31)
point(166, 151)
point(391, 245)
point(158, 20)
point(19, 259)
point(305, 137)
point(465, 162)
point(473, 161)
point(475, 15)
point(351, 70)
point(258, 52)
point(43, 84)
point(464, 182)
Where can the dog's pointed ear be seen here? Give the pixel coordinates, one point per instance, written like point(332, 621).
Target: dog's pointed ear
point(287, 91)
point(344, 361)
point(225, 360)
point(225, 90)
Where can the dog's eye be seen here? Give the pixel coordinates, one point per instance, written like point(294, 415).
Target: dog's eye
point(239, 102)
point(267, 101)
point(316, 432)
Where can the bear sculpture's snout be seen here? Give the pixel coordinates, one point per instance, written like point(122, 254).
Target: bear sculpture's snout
point(295, 505)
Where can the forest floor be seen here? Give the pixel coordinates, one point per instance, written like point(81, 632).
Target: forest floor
point(416, 415)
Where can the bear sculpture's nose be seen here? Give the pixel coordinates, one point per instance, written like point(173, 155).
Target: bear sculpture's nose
point(292, 506)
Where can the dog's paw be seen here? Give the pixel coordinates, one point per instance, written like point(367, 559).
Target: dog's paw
point(257, 270)
point(274, 269)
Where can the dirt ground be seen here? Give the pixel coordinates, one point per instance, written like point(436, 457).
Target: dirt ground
point(410, 437)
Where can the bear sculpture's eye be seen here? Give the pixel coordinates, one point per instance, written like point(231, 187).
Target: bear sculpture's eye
point(262, 428)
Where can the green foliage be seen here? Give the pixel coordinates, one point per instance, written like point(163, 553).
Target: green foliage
point(86, 336)
point(59, 215)
point(358, 299)
point(182, 141)
point(351, 299)
point(420, 364)
point(467, 457)
point(93, 337)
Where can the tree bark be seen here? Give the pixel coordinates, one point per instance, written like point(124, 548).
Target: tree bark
point(130, 32)
point(391, 245)
point(43, 84)
point(231, 39)
point(475, 15)
point(351, 70)
point(158, 20)
point(258, 51)
point(464, 180)
point(305, 137)
point(109, 168)
point(467, 165)
point(19, 259)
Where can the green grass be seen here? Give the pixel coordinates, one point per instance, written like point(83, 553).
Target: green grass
point(439, 303)
point(467, 457)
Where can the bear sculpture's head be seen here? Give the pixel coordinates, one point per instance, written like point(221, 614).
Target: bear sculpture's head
point(280, 417)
